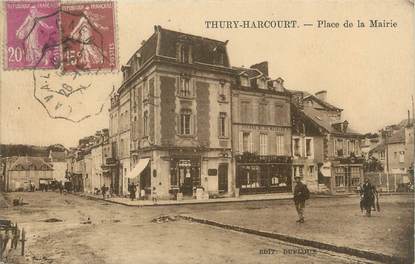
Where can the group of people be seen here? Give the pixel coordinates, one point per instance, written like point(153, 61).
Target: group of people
point(369, 198)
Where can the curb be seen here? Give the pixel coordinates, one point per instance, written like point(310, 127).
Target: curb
point(176, 204)
point(374, 256)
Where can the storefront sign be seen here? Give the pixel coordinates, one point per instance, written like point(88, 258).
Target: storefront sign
point(212, 172)
point(326, 169)
point(184, 163)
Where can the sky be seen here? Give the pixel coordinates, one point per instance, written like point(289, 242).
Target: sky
point(368, 72)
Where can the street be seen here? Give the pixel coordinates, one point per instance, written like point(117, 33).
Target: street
point(70, 229)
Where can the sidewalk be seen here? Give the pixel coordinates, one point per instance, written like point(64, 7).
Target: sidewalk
point(243, 198)
point(139, 203)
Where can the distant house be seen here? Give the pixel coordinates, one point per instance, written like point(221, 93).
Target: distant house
point(58, 162)
point(26, 170)
point(326, 150)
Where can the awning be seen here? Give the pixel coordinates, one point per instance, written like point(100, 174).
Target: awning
point(141, 165)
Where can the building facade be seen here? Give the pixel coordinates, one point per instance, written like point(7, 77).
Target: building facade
point(261, 132)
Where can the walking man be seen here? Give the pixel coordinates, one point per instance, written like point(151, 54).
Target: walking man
point(301, 193)
point(368, 195)
point(103, 191)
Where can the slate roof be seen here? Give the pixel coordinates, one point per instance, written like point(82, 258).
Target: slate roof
point(30, 163)
point(398, 136)
point(163, 42)
point(251, 73)
point(323, 121)
point(380, 147)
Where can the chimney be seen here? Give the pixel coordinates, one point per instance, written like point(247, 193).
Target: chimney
point(262, 67)
point(322, 95)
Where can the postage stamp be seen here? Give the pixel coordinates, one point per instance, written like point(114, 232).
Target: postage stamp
point(32, 35)
point(88, 36)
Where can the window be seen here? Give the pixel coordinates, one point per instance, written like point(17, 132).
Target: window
point(185, 119)
point(184, 89)
point(309, 150)
point(280, 145)
point(244, 112)
point(244, 81)
point(298, 171)
point(401, 156)
point(145, 123)
point(311, 170)
point(339, 175)
point(382, 155)
point(184, 53)
point(261, 83)
point(355, 175)
point(263, 144)
point(263, 114)
point(222, 124)
point(246, 144)
point(146, 92)
point(338, 147)
point(222, 92)
point(352, 146)
point(122, 148)
point(297, 147)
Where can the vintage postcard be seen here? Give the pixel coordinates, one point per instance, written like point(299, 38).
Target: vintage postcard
point(209, 131)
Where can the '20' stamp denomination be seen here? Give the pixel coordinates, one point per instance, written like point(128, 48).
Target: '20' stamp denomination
point(32, 35)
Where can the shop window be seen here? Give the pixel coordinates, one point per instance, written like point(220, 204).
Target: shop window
point(280, 145)
point(355, 175)
point(279, 177)
point(339, 176)
point(185, 122)
point(263, 144)
point(250, 177)
point(223, 125)
point(185, 89)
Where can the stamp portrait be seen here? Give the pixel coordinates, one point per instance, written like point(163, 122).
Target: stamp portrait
point(32, 35)
point(88, 36)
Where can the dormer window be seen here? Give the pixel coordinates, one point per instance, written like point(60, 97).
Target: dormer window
point(261, 82)
point(244, 81)
point(184, 52)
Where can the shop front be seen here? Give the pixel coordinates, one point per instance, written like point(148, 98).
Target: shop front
point(348, 174)
point(185, 175)
point(263, 174)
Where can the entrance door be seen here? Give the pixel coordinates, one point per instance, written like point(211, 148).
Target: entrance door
point(223, 177)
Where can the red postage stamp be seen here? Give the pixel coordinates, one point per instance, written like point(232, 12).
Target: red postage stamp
point(32, 35)
point(88, 36)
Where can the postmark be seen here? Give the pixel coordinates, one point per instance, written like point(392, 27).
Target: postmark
point(88, 36)
point(32, 35)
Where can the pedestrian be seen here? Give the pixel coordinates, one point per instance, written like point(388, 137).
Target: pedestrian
point(154, 195)
point(60, 187)
point(368, 195)
point(103, 190)
point(132, 189)
point(301, 194)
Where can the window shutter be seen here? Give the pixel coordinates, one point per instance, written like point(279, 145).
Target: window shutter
point(219, 126)
point(251, 143)
point(241, 143)
point(192, 124)
point(177, 124)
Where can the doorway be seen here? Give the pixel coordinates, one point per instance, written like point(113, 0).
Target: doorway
point(223, 177)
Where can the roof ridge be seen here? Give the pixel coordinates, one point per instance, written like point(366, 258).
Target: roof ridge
point(188, 34)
